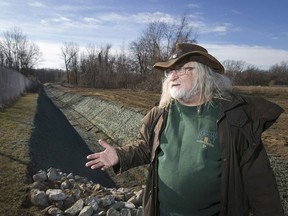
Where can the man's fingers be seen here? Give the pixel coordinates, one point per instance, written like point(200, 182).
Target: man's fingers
point(97, 166)
point(94, 164)
point(93, 156)
point(103, 144)
point(104, 159)
point(90, 163)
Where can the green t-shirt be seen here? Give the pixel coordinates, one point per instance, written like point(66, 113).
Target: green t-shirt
point(189, 167)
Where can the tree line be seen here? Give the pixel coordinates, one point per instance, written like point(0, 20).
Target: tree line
point(244, 74)
point(131, 67)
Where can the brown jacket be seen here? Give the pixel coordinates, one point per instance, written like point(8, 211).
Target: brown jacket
point(247, 181)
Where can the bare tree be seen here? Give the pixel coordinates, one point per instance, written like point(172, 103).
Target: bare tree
point(96, 66)
point(279, 74)
point(18, 52)
point(103, 62)
point(234, 66)
point(233, 70)
point(158, 40)
point(88, 66)
point(70, 52)
point(183, 32)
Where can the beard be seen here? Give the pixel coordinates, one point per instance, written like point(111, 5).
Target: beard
point(182, 94)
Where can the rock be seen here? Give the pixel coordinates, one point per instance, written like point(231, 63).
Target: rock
point(78, 196)
point(113, 212)
point(53, 174)
point(55, 211)
point(38, 197)
point(56, 194)
point(139, 211)
point(86, 211)
point(125, 212)
point(64, 185)
point(93, 202)
point(137, 198)
point(39, 185)
point(76, 193)
point(70, 176)
point(69, 201)
point(129, 205)
point(101, 213)
point(118, 205)
point(40, 176)
point(107, 200)
point(96, 187)
point(75, 209)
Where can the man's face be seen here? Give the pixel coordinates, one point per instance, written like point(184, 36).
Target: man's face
point(182, 82)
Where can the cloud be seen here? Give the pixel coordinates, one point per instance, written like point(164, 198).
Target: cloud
point(91, 20)
point(262, 57)
point(36, 4)
point(222, 28)
point(51, 55)
point(113, 17)
point(61, 20)
point(4, 4)
point(146, 17)
point(193, 5)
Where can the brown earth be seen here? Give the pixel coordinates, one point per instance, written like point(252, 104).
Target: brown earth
point(17, 125)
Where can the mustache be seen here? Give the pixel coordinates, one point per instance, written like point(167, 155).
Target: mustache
point(175, 82)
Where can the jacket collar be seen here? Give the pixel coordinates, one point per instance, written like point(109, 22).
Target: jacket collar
point(234, 101)
point(233, 110)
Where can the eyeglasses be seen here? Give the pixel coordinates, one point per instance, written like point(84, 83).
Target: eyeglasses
point(178, 71)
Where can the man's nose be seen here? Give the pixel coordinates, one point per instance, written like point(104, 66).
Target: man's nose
point(174, 75)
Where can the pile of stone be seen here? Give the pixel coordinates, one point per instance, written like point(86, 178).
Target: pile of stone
point(58, 193)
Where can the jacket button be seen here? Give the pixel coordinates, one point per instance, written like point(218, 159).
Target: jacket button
point(225, 160)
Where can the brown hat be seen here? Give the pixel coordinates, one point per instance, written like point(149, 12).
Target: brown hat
point(195, 52)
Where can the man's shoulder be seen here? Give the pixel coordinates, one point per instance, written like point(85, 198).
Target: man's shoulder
point(246, 101)
point(256, 103)
point(152, 115)
point(242, 107)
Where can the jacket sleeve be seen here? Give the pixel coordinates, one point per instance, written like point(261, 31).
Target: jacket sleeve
point(138, 153)
point(258, 177)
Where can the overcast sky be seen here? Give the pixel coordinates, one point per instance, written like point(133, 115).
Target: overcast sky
point(255, 31)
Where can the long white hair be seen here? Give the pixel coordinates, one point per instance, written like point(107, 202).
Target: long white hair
point(208, 84)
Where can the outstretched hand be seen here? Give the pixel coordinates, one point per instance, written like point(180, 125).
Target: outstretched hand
point(104, 159)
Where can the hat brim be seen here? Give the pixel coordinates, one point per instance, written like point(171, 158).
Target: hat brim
point(197, 56)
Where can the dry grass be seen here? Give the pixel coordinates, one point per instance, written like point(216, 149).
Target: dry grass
point(262, 90)
point(15, 128)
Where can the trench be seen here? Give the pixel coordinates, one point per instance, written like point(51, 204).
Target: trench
point(54, 142)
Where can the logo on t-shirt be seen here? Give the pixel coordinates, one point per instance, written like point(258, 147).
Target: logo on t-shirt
point(206, 138)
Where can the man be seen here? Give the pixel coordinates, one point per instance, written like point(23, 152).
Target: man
point(203, 144)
